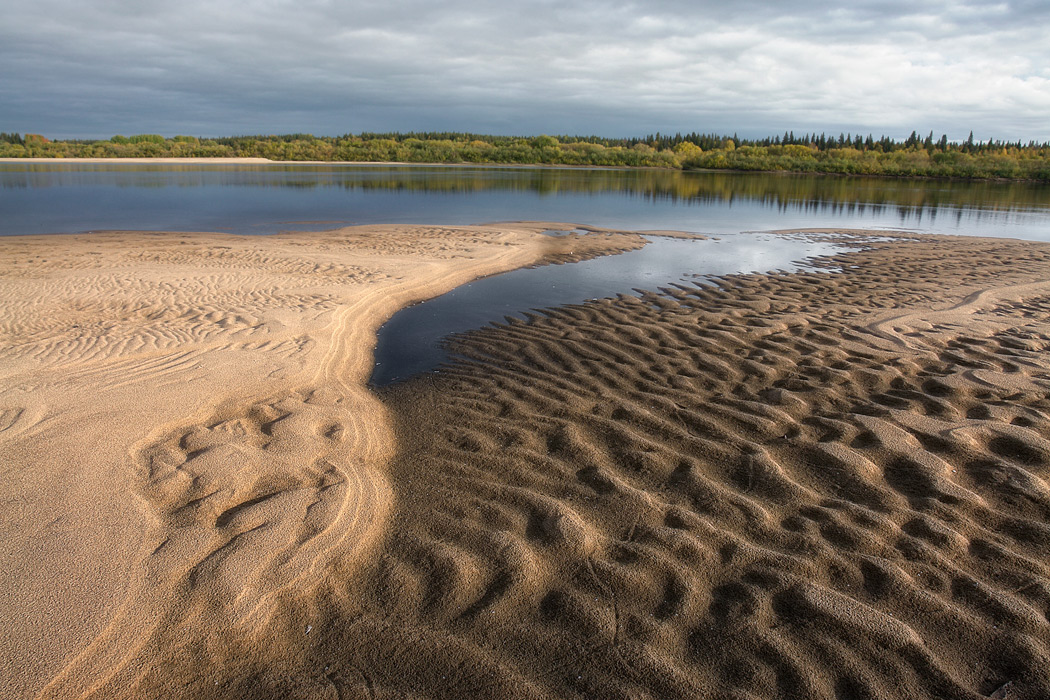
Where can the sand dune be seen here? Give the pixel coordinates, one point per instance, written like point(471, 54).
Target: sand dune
point(807, 485)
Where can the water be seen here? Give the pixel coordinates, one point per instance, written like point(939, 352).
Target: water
point(411, 342)
point(262, 199)
point(62, 198)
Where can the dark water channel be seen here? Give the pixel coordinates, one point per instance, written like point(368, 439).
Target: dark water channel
point(411, 342)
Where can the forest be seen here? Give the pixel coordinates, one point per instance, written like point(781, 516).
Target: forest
point(849, 154)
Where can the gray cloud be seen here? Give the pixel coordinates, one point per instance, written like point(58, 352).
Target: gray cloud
point(94, 68)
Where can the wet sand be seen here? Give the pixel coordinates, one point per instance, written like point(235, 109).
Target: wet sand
point(805, 485)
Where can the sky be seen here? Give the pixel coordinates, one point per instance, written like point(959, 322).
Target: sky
point(95, 68)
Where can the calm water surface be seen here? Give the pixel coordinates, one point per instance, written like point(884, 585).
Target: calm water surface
point(64, 198)
point(412, 341)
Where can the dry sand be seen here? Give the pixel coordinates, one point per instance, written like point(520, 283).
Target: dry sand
point(185, 429)
point(158, 161)
point(220, 161)
point(802, 485)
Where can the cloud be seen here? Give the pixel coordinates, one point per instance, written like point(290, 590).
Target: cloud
point(92, 68)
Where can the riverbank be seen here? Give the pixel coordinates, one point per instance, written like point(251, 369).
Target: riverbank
point(136, 161)
point(330, 163)
point(789, 485)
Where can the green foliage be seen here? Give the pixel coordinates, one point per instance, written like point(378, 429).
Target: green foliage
point(924, 158)
point(12, 150)
point(807, 153)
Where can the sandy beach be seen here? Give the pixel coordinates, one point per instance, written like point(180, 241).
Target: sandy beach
point(296, 163)
point(828, 484)
point(147, 161)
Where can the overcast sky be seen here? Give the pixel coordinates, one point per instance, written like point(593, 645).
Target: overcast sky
point(94, 68)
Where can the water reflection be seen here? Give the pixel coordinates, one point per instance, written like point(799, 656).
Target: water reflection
point(411, 342)
point(770, 189)
point(56, 197)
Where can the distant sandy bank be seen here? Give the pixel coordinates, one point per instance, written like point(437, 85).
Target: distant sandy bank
point(267, 161)
point(196, 161)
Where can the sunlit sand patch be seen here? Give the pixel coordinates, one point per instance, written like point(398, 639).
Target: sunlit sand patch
point(186, 431)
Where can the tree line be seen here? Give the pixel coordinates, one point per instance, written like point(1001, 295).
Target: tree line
point(809, 153)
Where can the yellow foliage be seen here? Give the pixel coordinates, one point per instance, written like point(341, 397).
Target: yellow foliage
point(797, 150)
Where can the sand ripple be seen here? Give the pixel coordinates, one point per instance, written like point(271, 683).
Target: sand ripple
point(749, 490)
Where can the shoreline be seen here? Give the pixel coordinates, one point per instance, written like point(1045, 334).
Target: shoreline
point(667, 495)
point(136, 161)
point(354, 163)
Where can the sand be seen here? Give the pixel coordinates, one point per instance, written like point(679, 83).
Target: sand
point(157, 161)
point(807, 485)
point(163, 394)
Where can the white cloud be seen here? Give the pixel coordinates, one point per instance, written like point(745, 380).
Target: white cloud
point(90, 68)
